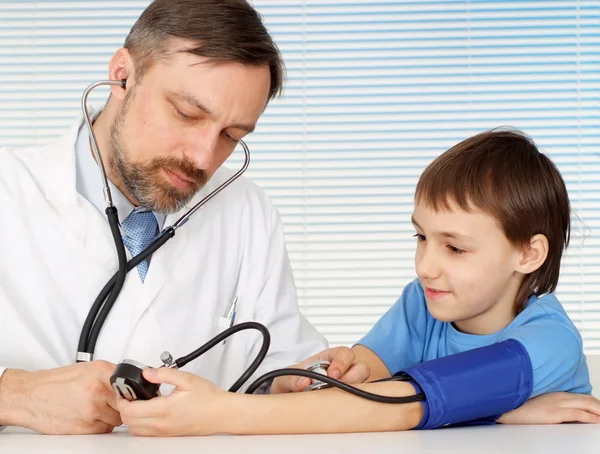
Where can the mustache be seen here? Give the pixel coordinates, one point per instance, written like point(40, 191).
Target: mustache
point(181, 167)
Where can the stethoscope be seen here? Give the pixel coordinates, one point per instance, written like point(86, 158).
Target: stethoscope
point(109, 294)
point(127, 380)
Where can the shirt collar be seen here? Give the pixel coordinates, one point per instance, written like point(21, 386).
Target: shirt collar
point(89, 181)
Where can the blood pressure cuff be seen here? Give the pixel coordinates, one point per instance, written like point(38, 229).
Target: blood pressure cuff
point(473, 387)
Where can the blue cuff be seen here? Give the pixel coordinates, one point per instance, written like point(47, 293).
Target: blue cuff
point(424, 403)
point(474, 387)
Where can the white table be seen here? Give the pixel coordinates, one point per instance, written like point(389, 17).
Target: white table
point(562, 439)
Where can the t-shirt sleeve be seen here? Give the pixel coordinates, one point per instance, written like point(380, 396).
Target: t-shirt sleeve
point(398, 336)
point(556, 354)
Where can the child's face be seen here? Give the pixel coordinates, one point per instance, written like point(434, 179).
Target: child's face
point(467, 268)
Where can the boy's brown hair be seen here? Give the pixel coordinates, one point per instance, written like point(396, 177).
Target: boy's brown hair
point(502, 173)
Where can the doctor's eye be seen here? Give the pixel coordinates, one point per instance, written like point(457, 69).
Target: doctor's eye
point(420, 238)
point(229, 138)
point(183, 116)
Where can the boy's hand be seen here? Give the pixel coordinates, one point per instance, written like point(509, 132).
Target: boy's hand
point(342, 368)
point(195, 407)
point(555, 408)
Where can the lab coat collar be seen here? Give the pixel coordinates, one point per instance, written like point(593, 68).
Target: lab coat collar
point(60, 172)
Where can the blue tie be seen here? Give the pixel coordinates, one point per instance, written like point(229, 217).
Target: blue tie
point(139, 229)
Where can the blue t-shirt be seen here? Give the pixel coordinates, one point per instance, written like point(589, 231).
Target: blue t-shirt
point(408, 334)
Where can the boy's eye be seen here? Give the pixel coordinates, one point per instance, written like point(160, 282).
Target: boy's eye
point(420, 237)
point(456, 250)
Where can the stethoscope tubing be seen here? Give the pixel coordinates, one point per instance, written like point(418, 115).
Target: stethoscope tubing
point(110, 292)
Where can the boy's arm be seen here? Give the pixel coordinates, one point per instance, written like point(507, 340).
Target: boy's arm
point(326, 411)
point(197, 407)
point(470, 386)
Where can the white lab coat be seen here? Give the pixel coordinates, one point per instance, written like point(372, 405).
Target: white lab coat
point(57, 252)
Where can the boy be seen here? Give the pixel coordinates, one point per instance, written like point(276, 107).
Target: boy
point(492, 219)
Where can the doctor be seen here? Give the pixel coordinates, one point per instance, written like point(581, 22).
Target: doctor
point(199, 75)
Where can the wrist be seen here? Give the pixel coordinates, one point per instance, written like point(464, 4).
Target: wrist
point(504, 419)
point(242, 414)
point(12, 391)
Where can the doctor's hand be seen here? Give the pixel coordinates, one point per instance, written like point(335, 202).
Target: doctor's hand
point(342, 368)
point(555, 408)
point(76, 399)
point(195, 407)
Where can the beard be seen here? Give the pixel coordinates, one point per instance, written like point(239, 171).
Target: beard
point(145, 183)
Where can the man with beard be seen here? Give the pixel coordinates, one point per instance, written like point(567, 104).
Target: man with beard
point(199, 73)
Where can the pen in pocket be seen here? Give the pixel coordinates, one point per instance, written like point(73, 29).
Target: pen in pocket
point(230, 314)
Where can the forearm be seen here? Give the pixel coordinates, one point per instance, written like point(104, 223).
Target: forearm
point(324, 411)
point(11, 391)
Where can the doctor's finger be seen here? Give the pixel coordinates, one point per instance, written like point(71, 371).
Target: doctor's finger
point(341, 360)
point(112, 403)
point(99, 427)
point(357, 373)
point(110, 417)
point(289, 383)
point(110, 397)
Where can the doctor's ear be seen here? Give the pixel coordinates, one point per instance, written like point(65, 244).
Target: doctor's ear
point(120, 68)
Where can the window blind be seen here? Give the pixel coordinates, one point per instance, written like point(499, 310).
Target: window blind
point(375, 91)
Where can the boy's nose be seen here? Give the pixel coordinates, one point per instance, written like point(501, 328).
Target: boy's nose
point(427, 265)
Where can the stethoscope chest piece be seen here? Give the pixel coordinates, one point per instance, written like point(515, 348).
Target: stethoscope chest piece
point(321, 368)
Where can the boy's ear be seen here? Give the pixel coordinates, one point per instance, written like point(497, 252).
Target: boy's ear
point(533, 255)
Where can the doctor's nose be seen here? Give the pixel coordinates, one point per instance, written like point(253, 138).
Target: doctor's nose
point(427, 264)
point(202, 149)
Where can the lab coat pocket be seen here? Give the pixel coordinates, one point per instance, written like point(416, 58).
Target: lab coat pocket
point(212, 361)
point(221, 324)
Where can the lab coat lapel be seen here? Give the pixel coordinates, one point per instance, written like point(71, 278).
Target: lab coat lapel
point(164, 261)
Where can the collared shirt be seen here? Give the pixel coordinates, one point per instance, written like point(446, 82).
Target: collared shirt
point(89, 182)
